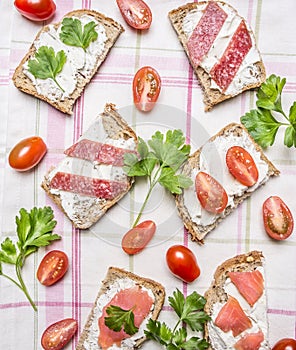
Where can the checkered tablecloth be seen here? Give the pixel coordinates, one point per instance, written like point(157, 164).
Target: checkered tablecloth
point(180, 105)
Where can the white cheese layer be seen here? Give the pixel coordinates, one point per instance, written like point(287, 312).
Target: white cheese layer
point(248, 73)
point(79, 62)
point(213, 162)
point(91, 342)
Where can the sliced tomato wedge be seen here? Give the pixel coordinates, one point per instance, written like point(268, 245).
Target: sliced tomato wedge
point(241, 165)
point(277, 218)
point(136, 13)
point(146, 88)
point(57, 335)
point(52, 267)
point(211, 194)
point(136, 239)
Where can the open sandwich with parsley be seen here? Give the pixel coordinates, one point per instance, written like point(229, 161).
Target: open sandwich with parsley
point(65, 56)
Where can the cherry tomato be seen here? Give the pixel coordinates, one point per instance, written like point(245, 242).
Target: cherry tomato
point(182, 263)
point(56, 336)
point(27, 153)
point(52, 267)
point(36, 10)
point(210, 193)
point(242, 166)
point(136, 239)
point(278, 220)
point(285, 344)
point(136, 13)
point(146, 88)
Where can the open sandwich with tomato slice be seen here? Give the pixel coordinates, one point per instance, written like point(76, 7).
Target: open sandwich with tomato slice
point(122, 295)
point(237, 304)
point(225, 171)
point(90, 178)
point(221, 48)
point(65, 56)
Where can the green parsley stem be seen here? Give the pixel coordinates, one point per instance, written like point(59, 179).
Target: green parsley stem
point(12, 280)
point(54, 79)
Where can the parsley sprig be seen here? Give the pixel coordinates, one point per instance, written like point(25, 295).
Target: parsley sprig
point(261, 122)
point(159, 160)
point(34, 230)
point(119, 318)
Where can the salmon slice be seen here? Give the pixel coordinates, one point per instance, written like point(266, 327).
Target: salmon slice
point(250, 341)
point(232, 317)
point(250, 284)
point(135, 298)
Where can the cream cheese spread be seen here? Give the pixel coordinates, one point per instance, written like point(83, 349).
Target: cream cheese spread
point(91, 342)
point(79, 62)
point(248, 72)
point(212, 161)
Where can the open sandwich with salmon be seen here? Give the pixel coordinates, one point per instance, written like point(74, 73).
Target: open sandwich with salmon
point(127, 291)
point(225, 171)
point(90, 178)
point(236, 302)
point(221, 48)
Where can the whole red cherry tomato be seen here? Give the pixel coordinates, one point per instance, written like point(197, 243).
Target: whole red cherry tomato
point(52, 267)
point(278, 219)
point(27, 153)
point(182, 263)
point(285, 344)
point(56, 336)
point(242, 166)
point(136, 239)
point(146, 88)
point(36, 10)
point(136, 13)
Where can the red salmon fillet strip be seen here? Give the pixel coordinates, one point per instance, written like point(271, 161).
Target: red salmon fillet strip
point(87, 186)
point(232, 317)
point(250, 341)
point(225, 70)
point(205, 32)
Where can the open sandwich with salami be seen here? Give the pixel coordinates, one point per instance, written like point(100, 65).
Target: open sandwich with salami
point(237, 304)
point(215, 182)
point(65, 56)
point(128, 291)
point(90, 179)
point(221, 48)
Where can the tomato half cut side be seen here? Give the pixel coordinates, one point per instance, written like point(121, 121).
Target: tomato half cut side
point(136, 239)
point(277, 218)
point(57, 335)
point(182, 263)
point(52, 267)
point(136, 13)
point(285, 344)
point(146, 88)
point(211, 194)
point(36, 10)
point(241, 165)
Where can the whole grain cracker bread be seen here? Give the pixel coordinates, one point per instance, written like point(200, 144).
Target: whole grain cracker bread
point(25, 84)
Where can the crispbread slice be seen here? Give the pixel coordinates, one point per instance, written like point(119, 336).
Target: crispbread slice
point(212, 95)
point(114, 277)
point(86, 211)
point(25, 84)
point(197, 231)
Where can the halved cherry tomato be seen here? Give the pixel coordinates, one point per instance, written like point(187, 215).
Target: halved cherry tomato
point(210, 193)
point(285, 344)
point(146, 88)
point(242, 166)
point(36, 10)
point(136, 239)
point(52, 267)
point(277, 217)
point(27, 153)
point(136, 13)
point(182, 263)
point(56, 336)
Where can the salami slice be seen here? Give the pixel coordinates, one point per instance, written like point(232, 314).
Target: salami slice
point(87, 186)
point(205, 32)
point(225, 70)
point(98, 152)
